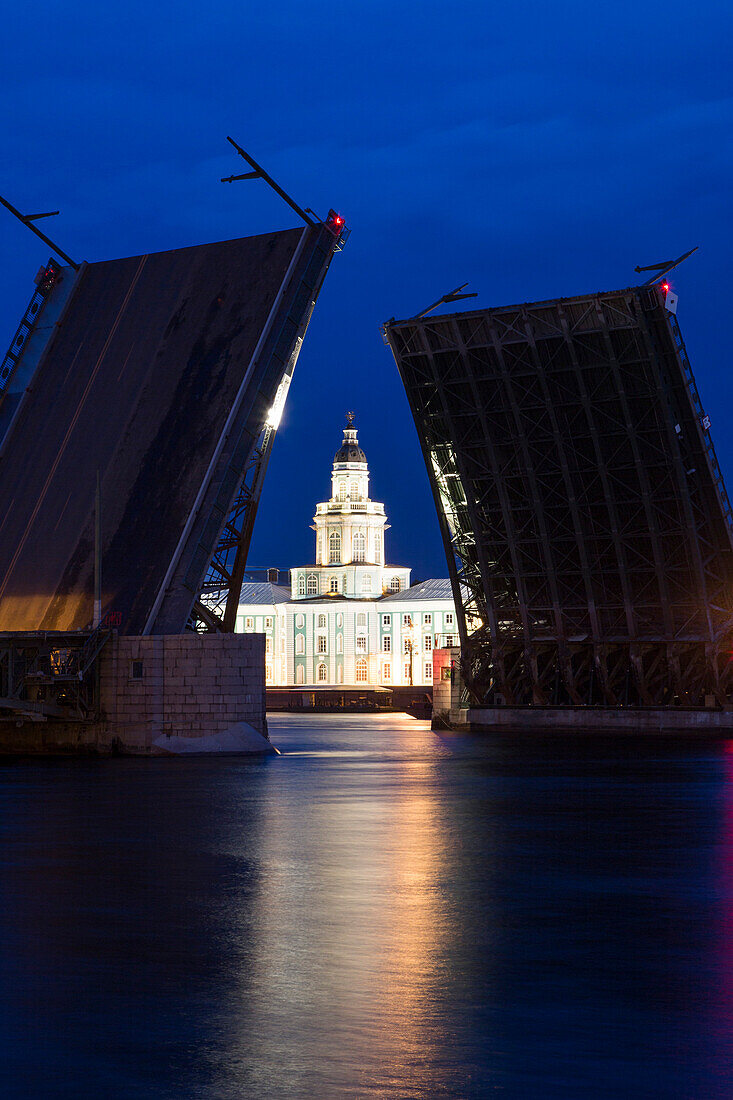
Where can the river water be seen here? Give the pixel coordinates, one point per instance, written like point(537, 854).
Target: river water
point(379, 912)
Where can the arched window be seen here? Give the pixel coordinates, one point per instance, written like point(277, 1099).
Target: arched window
point(299, 645)
point(300, 620)
point(334, 548)
point(361, 670)
point(367, 582)
point(312, 584)
point(355, 493)
point(395, 584)
point(360, 620)
point(322, 673)
point(343, 490)
point(359, 547)
point(339, 619)
point(300, 675)
point(333, 584)
point(321, 620)
point(340, 674)
point(378, 548)
point(301, 584)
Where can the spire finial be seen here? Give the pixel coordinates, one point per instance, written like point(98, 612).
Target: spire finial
point(350, 419)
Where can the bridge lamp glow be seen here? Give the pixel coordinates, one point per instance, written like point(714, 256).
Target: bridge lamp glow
point(274, 416)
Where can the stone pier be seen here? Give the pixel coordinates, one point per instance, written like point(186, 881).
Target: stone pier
point(162, 693)
point(586, 721)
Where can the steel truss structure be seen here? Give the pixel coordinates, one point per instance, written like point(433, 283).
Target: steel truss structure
point(51, 675)
point(582, 508)
point(216, 607)
point(44, 284)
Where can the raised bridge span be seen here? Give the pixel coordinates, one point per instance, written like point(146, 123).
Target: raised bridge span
point(162, 378)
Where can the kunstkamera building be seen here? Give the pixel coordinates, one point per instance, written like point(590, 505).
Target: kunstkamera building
point(350, 619)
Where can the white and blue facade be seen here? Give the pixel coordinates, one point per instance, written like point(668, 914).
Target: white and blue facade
point(349, 619)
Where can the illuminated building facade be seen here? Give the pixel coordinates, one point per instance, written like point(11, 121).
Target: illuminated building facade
point(350, 619)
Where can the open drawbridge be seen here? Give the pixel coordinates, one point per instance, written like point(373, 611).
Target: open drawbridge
point(583, 512)
point(161, 377)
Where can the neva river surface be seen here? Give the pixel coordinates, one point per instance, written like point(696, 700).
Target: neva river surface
point(379, 912)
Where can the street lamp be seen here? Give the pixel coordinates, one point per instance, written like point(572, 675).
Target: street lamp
point(412, 642)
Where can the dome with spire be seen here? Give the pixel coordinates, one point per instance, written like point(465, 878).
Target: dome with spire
point(350, 451)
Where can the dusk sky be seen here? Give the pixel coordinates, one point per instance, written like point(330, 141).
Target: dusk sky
point(532, 150)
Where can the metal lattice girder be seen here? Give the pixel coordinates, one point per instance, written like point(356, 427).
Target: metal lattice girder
point(216, 607)
point(581, 505)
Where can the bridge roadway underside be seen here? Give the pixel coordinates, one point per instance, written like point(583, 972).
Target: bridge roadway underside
point(586, 525)
point(137, 384)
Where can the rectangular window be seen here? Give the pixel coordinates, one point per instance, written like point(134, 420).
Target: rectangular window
point(407, 646)
point(249, 624)
point(407, 672)
point(428, 671)
point(268, 624)
point(268, 645)
point(321, 643)
point(387, 672)
point(268, 672)
point(386, 621)
point(407, 620)
point(448, 641)
point(427, 619)
point(449, 618)
point(361, 644)
point(427, 643)
point(386, 644)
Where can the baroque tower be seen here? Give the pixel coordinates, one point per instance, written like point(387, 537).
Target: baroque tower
point(350, 554)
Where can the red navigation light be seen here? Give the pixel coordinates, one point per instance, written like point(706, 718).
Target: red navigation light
point(334, 221)
point(665, 287)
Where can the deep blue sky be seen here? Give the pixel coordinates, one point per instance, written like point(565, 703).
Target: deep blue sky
point(534, 150)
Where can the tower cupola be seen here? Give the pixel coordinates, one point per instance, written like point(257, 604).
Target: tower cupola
point(349, 451)
point(350, 529)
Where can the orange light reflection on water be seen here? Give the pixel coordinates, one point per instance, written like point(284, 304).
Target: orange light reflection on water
point(350, 929)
